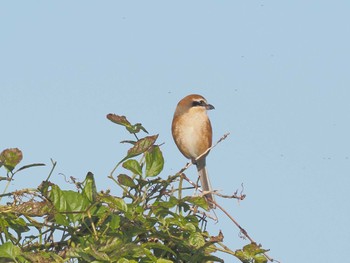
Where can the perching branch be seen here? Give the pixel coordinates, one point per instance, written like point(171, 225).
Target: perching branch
point(200, 156)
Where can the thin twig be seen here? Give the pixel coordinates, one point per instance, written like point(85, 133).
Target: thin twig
point(220, 140)
point(235, 222)
point(204, 214)
point(234, 196)
point(195, 185)
point(206, 151)
point(7, 185)
point(54, 163)
point(226, 249)
point(243, 231)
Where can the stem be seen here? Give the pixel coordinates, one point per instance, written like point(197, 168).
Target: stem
point(180, 192)
point(244, 232)
point(7, 185)
point(53, 167)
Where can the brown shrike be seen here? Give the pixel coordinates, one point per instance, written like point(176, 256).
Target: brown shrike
point(192, 134)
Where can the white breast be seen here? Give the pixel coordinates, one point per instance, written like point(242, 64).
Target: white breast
point(192, 128)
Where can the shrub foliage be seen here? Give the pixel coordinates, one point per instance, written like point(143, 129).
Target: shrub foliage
point(153, 220)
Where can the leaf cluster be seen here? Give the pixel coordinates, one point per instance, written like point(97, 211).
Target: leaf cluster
point(151, 222)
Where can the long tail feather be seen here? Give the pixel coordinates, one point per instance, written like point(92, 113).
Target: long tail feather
point(205, 182)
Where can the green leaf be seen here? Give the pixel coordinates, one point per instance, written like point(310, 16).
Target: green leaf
point(141, 146)
point(30, 165)
point(251, 253)
point(19, 225)
point(253, 249)
point(197, 200)
point(8, 250)
point(135, 251)
point(69, 202)
point(124, 260)
point(173, 201)
point(121, 120)
point(162, 260)
point(61, 219)
point(260, 259)
point(190, 227)
point(126, 180)
point(115, 202)
point(154, 161)
point(136, 128)
point(10, 158)
point(98, 255)
point(160, 246)
point(89, 189)
point(133, 166)
point(128, 141)
point(196, 240)
point(115, 222)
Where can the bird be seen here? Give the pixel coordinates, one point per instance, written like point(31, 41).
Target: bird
point(192, 133)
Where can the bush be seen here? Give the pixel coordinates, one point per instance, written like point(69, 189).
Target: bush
point(153, 221)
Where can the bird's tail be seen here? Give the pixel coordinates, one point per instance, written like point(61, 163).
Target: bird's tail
point(205, 182)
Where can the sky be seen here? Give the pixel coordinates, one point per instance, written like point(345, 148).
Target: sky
point(277, 73)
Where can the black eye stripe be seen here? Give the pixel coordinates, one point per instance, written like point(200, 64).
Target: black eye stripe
point(198, 103)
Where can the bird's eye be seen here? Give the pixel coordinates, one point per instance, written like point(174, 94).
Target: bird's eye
point(198, 103)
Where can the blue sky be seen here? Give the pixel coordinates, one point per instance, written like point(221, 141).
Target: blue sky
point(276, 72)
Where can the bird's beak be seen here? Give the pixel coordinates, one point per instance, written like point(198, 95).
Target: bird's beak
point(209, 107)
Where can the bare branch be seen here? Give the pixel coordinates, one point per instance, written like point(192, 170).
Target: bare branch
point(206, 151)
point(243, 231)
